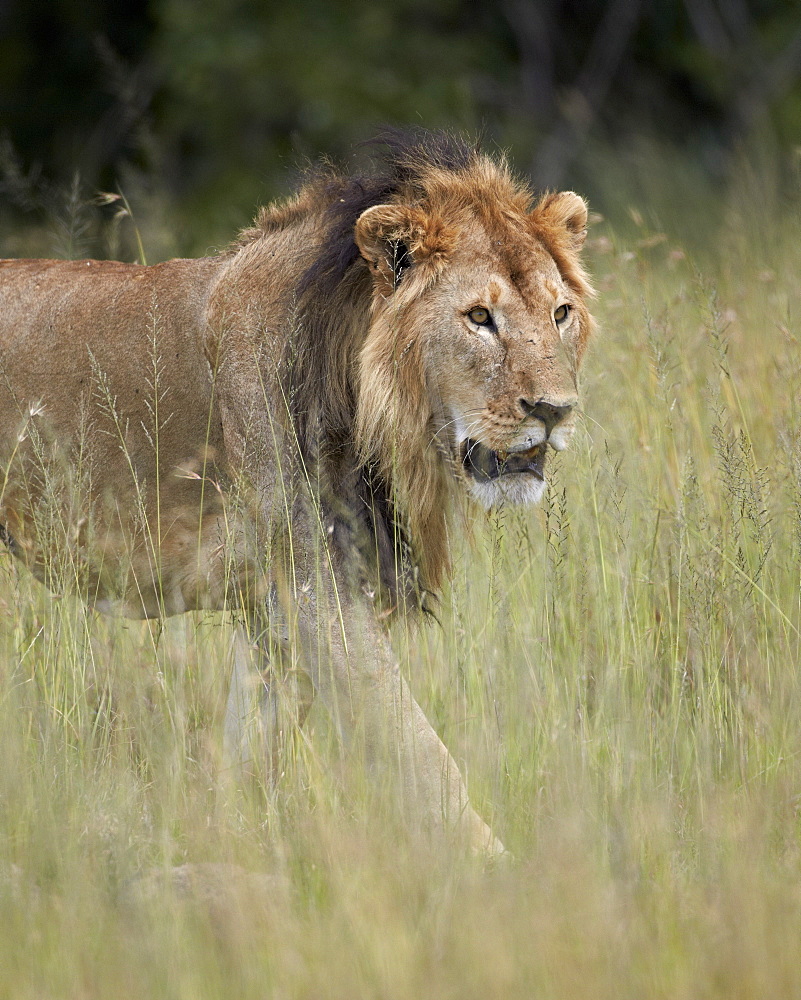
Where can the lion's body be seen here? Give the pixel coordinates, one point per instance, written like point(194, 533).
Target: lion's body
point(103, 365)
point(83, 397)
point(298, 411)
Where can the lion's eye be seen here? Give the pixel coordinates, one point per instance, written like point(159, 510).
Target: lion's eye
point(480, 316)
point(561, 314)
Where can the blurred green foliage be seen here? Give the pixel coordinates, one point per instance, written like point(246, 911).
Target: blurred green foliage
point(211, 105)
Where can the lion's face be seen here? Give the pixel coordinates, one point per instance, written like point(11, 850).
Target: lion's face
point(501, 359)
point(496, 324)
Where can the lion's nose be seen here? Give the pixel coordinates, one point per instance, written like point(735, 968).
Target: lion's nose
point(548, 413)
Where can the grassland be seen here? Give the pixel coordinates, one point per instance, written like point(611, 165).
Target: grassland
point(619, 672)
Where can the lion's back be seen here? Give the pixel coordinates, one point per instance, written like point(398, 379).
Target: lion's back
point(72, 329)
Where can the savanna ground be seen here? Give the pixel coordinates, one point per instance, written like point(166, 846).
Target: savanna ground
point(618, 671)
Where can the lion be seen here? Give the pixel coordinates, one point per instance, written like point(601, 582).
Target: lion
point(287, 428)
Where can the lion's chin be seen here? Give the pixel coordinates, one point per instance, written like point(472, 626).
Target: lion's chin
point(518, 489)
point(495, 479)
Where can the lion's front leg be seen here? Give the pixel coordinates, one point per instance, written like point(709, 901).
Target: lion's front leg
point(354, 671)
point(397, 729)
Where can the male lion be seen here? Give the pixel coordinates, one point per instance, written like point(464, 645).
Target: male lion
point(284, 425)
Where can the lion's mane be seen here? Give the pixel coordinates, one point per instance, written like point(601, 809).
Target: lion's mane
point(354, 378)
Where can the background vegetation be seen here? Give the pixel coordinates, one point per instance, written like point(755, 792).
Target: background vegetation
point(200, 109)
point(618, 670)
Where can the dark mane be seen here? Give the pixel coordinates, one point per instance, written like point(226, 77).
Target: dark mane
point(319, 360)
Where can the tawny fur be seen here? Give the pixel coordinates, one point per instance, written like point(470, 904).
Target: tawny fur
point(191, 432)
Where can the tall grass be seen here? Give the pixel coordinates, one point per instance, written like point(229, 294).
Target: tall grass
point(618, 671)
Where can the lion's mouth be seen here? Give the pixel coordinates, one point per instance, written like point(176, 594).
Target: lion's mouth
point(483, 464)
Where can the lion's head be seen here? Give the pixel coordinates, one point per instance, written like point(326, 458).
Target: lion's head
point(462, 301)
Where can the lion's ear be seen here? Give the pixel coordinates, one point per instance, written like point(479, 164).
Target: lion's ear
point(394, 238)
point(563, 216)
point(560, 222)
point(383, 235)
